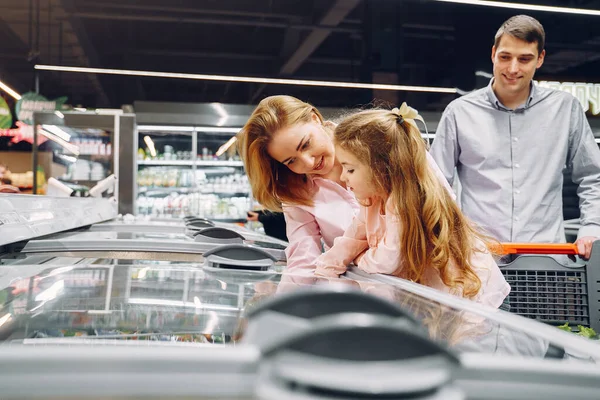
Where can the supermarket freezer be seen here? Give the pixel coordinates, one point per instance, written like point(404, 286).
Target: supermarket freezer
point(123, 319)
point(108, 234)
point(185, 330)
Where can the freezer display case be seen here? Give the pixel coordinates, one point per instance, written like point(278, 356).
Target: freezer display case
point(211, 320)
point(191, 170)
point(84, 148)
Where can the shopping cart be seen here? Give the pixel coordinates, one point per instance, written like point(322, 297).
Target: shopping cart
point(545, 290)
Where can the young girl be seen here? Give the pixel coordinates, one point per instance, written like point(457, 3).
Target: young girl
point(409, 225)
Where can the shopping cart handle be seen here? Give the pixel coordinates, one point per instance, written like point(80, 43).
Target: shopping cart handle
point(539, 248)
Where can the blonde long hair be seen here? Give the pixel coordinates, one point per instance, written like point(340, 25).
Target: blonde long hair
point(433, 229)
point(273, 183)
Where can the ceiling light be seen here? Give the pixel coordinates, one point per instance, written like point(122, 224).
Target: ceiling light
point(216, 130)
point(150, 145)
point(108, 111)
point(71, 147)
point(521, 6)
point(167, 128)
point(248, 79)
point(226, 146)
point(57, 131)
point(59, 114)
point(172, 128)
point(484, 74)
point(10, 91)
point(222, 113)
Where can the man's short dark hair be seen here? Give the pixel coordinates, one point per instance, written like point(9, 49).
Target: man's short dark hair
point(525, 28)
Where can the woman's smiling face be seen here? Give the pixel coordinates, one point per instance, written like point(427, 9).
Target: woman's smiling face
point(304, 148)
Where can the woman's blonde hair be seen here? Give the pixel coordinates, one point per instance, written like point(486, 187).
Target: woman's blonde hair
point(433, 229)
point(272, 182)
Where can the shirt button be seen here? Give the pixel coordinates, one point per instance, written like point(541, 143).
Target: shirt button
point(517, 166)
point(517, 191)
point(516, 218)
point(515, 139)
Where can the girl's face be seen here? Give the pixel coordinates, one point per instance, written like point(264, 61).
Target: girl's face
point(356, 175)
point(304, 148)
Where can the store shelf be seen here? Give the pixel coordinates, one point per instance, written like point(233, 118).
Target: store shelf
point(230, 194)
point(215, 163)
point(84, 182)
point(157, 191)
point(165, 190)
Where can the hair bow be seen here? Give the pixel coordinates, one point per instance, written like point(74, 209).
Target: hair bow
point(408, 114)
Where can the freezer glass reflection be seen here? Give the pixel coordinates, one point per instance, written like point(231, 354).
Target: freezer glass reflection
point(170, 302)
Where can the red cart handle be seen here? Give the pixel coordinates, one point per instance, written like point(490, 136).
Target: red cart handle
point(539, 248)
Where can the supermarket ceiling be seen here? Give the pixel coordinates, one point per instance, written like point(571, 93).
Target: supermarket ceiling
point(413, 42)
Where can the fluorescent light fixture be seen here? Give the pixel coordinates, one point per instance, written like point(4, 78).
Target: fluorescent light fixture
point(212, 323)
point(142, 273)
point(222, 113)
point(484, 74)
point(226, 146)
point(52, 292)
point(166, 128)
point(108, 111)
point(10, 91)
point(522, 6)
point(71, 147)
point(81, 109)
point(216, 129)
point(59, 271)
point(67, 158)
point(179, 303)
point(150, 145)
point(57, 131)
point(197, 302)
point(59, 114)
point(247, 79)
point(5, 318)
point(172, 128)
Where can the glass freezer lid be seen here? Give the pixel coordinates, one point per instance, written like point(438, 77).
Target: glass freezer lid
point(210, 305)
point(179, 228)
point(146, 242)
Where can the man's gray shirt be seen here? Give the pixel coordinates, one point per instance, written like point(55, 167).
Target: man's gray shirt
point(510, 163)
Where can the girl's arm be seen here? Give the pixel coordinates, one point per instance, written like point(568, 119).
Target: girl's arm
point(345, 248)
point(383, 256)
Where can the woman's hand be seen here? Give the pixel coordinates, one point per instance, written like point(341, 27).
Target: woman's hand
point(252, 216)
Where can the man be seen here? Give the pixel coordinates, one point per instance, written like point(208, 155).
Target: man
point(510, 143)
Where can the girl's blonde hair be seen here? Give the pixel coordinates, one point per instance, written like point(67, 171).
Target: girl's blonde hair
point(272, 182)
point(433, 229)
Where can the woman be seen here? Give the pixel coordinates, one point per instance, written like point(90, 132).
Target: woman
point(289, 157)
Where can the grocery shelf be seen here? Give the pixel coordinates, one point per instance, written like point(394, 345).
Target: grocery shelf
point(185, 190)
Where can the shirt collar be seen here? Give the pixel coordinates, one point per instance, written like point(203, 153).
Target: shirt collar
point(497, 104)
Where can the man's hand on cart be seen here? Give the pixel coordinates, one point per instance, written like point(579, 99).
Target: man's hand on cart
point(584, 246)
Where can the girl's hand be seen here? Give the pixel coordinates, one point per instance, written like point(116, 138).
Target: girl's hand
point(326, 272)
point(359, 257)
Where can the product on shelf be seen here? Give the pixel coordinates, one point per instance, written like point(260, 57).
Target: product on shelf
point(92, 147)
point(84, 170)
point(209, 206)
